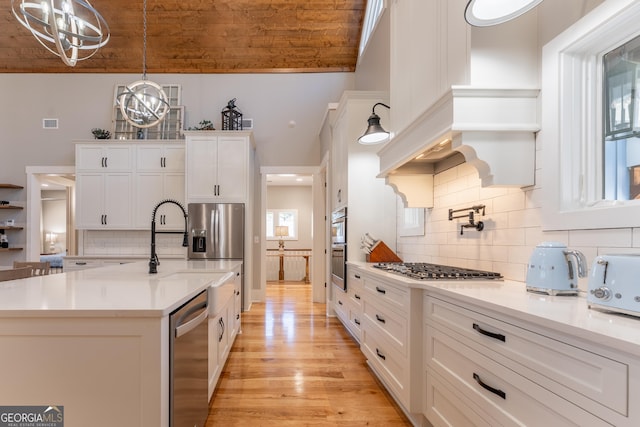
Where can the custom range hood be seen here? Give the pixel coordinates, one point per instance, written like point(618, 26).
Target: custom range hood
point(491, 129)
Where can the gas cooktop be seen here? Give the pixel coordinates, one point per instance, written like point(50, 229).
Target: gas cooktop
point(426, 271)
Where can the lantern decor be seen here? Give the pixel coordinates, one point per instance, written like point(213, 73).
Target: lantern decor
point(231, 117)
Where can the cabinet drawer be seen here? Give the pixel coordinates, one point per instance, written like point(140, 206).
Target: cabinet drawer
point(355, 320)
point(340, 303)
point(355, 287)
point(387, 362)
point(445, 407)
point(507, 396)
point(567, 370)
point(388, 322)
point(395, 296)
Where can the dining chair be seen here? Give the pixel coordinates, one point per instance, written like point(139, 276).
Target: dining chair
point(16, 273)
point(39, 268)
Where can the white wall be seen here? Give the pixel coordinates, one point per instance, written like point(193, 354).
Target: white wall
point(287, 109)
point(293, 197)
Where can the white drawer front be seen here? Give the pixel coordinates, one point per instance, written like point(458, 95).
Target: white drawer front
point(393, 295)
point(355, 296)
point(355, 320)
point(506, 395)
point(388, 322)
point(387, 362)
point(445, 407)
point(355, 278)
point(340, 303)
point(557, 366)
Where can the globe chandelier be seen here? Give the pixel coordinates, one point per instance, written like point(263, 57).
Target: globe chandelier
point(70, 29)
point(143, 103)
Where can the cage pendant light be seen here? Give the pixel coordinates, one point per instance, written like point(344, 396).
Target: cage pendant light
point(70, 29)
point(143, 103)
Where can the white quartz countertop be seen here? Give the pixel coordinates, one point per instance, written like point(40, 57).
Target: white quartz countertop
point(565, 314)
point(113, 291)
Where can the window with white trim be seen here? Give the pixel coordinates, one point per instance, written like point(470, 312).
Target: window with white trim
point(371, 16)
point(279, 218)
point(574, 159)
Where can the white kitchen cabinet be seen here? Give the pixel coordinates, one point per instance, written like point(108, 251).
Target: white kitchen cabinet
point(104, 186)
point(515, 375)
point(224, 326)
point(236, 324)
point(153, 187)
point(104, 200)
point(104, 157)
point(348, 305)
point(217, 166)
point(167, 157)
point(119, 184)
point(391, 333)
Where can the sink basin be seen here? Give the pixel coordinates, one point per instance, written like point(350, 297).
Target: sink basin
point(219, 297)
point(222, 287)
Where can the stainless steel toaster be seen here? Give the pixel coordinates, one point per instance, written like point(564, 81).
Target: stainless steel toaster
point(614, 284)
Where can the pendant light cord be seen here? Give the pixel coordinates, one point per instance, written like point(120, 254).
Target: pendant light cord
point(144, 39)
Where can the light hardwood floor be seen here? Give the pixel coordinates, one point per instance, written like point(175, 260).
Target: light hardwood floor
point(293, 366)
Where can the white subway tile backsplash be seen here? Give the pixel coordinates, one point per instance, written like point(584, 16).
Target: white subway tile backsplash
point(617, 237)
point(509, 202)
point(510, 237)
point(134, 242)
point(535, 236)
point(524, 218)
point(512, 228)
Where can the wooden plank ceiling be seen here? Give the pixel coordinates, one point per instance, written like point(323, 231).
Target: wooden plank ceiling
point(204, 36)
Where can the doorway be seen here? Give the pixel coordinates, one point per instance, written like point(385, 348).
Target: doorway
point(304, 223)
point(50, 211)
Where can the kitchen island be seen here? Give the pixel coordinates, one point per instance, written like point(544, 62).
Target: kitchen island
point(487, 352)
point(97, 341)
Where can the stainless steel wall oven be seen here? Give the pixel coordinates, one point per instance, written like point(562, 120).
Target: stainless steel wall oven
point(339, 248)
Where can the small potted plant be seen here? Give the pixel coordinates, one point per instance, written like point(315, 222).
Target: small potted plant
point(203, 125)
point(101, 133)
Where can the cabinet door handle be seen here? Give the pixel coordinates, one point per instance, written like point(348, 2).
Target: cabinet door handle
point(221, 323)
point(356, 296)
point(339, 302)
point(357, 276)
point(382, 291)
point(380, 355)
point(102, 161)
point(489, 334)
point(380, 319)
point(106, 162)
point(487, 387)
point(105, 219)
point(81, 263)
point(356, 321)
point(237, 316)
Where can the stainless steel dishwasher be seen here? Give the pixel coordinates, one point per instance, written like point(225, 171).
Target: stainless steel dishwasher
point(188, 363)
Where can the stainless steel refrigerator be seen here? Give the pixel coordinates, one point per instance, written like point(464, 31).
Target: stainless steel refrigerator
point(216, 232)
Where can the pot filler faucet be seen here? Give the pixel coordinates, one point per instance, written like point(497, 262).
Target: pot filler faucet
point(154, 262)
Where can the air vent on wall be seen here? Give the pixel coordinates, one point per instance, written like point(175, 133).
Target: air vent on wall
point(49, 123)
point(247, 124)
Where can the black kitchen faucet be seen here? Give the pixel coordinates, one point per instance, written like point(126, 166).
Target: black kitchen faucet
point(153, 261)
